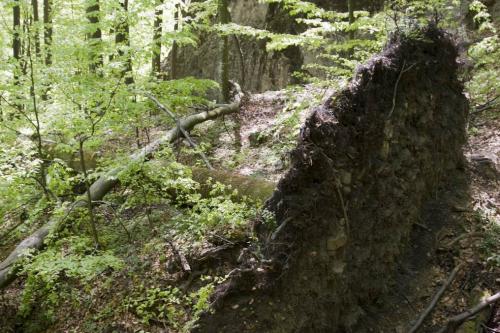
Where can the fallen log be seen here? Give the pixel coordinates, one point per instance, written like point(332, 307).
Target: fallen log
point(102, 186)
point(184, 133)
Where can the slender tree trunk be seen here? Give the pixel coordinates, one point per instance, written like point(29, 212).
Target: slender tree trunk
point(47, 30)
point(47, 41)
point(157, 26)
point(175, 47)
point(350, 9)
point(36, 19)
point(38, 133)
point(122, 39)
point(89, 195)
point(16, 38)
point(95, 37)
point(173, 61)
point(24, 46)
point(224, 18)
point(242, 59)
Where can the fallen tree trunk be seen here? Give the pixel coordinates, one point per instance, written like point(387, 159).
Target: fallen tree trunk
point(102, 186)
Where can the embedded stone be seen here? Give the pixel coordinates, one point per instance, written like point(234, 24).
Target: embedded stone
point(335, 243)
point(345, 177)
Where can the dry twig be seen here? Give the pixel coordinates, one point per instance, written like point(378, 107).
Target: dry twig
point(463, 236)
point(455, 322)
point(394, 94)
point(435, 300)
point(182, 258)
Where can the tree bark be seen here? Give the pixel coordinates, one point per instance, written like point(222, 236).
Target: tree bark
point(122, 40)
point(36, 19)
point(47, 30)
point(175, 47)
point(224, 18)
point(89, 200)
point(16, 38)
point(95, 37)
point(350, 9)
point(101, 187)
point(157, 26)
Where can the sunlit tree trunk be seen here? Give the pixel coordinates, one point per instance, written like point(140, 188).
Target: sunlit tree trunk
point(16, 38)
point(175, 47)
point(122, 40)
point(36, 112)
point(157, 26)
point(350, 9)
point(90, 206)
point(224, 18)
point(47, 40)
point(36, 19)
point(47, 30)
point(95, 36)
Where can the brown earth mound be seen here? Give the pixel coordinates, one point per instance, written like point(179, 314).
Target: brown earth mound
point(366, 163)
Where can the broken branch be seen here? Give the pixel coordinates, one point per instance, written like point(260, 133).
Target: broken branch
point(435, 300)
point(183, 131)
point(455, 322)
point(182, 258)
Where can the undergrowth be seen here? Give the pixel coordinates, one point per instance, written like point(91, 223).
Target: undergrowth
point(157, 204)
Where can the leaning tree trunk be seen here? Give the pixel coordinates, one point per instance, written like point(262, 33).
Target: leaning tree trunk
point(101, 187)
point(366, 163)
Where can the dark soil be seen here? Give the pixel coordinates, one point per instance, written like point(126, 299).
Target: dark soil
point(367, 163)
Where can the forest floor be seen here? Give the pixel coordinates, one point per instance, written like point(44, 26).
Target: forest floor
point(461, 224)
point(265, 131)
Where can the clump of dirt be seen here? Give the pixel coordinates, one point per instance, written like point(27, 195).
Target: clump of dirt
point(366, 164)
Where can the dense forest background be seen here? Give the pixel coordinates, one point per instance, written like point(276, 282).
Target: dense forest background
point(140, 140)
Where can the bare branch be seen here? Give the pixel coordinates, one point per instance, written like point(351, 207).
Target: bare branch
point(183, 131)
point(455, 322)
point(435, 300)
